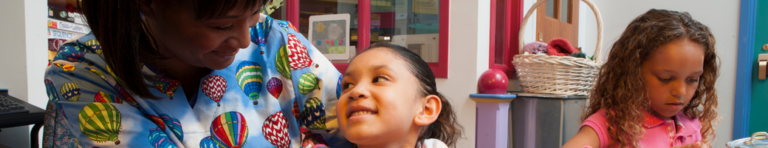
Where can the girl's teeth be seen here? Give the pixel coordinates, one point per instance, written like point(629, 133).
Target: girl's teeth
point(361, 113)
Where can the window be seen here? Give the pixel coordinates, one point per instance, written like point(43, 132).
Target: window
point(419, 25)
point(506, 17)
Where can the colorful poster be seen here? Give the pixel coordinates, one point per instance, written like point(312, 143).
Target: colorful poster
point(330, 35)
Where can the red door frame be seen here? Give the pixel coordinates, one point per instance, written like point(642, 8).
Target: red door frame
point(513, 19)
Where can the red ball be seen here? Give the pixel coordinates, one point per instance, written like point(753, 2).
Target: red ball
point(493, 81)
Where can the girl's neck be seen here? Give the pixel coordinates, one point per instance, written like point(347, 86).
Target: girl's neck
point(408, 141)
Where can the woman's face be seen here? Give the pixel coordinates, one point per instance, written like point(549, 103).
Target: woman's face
point(210, 43)
point(671, 76)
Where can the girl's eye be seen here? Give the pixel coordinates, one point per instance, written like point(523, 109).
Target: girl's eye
point(665, 79)
point(347, 85)
point(224, 27)
point(693, 80)
point(380, 78)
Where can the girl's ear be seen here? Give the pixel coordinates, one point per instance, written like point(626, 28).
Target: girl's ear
point(430, 110)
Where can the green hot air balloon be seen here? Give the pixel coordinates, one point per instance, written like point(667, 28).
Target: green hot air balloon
point(307, 83)
point(100, 122)
point(70, 91)
point(281, 62)
point(250, 77)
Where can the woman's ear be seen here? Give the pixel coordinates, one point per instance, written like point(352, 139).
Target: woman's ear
point(430, 110)
point(147, 7)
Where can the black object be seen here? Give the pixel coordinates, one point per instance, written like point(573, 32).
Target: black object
point(34, 115)
point(9, 107)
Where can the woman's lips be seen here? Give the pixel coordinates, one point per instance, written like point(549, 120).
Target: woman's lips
point(227, 53)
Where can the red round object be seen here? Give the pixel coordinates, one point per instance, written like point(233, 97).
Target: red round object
point(493, 81)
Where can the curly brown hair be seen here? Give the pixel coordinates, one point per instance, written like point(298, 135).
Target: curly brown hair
point(619, 87)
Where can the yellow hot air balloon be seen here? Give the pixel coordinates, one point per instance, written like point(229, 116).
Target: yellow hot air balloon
point(100, 122)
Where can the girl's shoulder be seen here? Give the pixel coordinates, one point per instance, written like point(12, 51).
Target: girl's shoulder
point(433, 143)
point(597, 122)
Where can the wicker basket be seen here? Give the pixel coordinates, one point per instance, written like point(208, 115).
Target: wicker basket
point(563, 75)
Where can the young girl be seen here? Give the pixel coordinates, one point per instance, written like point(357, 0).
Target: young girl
point(389, 99)
point(657, 88)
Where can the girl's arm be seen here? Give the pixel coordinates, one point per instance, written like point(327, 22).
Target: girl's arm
point(586, 137)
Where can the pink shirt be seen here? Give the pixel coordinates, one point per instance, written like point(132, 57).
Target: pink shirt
point(658, 132)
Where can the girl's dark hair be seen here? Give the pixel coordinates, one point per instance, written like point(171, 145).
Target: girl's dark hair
point(619, 87)
point(126, 41)
point(445, 128)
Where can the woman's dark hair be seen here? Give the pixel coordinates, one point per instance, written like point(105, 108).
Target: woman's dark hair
point(445, 127)
point(126, 41)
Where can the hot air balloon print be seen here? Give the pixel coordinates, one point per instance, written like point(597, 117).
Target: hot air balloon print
point(106, 98)
point(127, 97)
point(94, 44)
point(208, 142)
point(313, 116)
point(174, 125)
point(307, 83)
point(281, 62)
point(295, 111)
point(70, 53)
point(275, 130)
point(100, 122)
point(70, 91)
point(275, 87)
point(297, 53)
point(167, 86)
point(214, 87)
point(249, 75)
point(159, 122)
point(338, 87)
point(283, 24)
point(94, 71)
point(230, 130)
point(50, 89)
point(159, 139)
point(115, 76)
point(65, 67)
point(260, 33)
point(294, 28)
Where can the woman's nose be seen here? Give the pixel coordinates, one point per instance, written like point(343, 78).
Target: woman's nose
point(242, 37)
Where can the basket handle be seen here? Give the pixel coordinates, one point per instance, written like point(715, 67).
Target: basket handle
point(598, 17)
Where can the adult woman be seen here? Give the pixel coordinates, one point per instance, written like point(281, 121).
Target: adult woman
point(184, 73)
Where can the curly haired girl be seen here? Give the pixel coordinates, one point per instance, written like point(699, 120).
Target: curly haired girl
point(657, 88)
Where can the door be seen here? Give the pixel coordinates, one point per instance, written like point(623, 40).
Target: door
point(558, 18)
point(751, 100)
point(759, 100)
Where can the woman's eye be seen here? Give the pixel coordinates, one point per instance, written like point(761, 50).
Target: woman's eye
point(224, 27)
point(693, 80)
point(665, 79)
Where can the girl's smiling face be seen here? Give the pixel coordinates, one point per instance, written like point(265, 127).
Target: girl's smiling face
point(379, 99)
point(671, 76)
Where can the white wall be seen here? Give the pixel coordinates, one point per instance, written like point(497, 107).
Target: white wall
point(24, 57)
point(721, 16)
point(468, 58)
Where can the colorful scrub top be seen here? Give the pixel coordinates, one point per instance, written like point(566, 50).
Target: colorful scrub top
point(274, 87)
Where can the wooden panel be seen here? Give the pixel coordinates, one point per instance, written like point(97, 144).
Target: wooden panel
point(548, 28)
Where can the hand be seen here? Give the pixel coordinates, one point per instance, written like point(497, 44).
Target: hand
point(692, 145)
